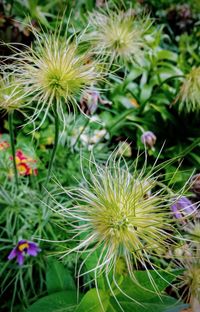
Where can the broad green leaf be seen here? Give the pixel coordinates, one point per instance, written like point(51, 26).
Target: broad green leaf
point(64, 301)
point(135, 72)
point(125, 101)
point(168, 55)
point(92, 302)
point(164, 112)
point(90, 263)
point(132, 87)
point(155, 304)
point(58, 277)
point(162, 279)
point(146, 91)
point(167, 70)
point(147, 289)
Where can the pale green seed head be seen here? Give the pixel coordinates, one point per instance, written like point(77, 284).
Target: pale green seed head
point(190, 280)
point(118, 36)
point(58, 70)
point(189, 95)
point(11, 94)
point(192, 276)
point(53, 73)
point(193, 230)
point(123, 214)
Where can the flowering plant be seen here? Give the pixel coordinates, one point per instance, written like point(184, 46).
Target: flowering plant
point(25, 165)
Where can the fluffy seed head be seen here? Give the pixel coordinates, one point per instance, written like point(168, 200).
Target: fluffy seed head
point(192, 277)
point(10, 94)
point(189, 284)
point(118, 36)
point(193, 230)
point(53, 72)
point(189, 94)
point(122, 214)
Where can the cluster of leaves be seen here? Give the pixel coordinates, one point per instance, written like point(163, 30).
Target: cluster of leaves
point(62, 294)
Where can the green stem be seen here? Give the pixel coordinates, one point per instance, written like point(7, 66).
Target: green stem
point(56, 137)
point(159, 87)
point(12, 143)
point(84, 127)
point(11, 7)
point(128, 112)
point(168, 79)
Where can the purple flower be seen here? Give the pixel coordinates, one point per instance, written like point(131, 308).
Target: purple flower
point(24, 247)
point(89, 101)
point(148, 138)
point(183, 207)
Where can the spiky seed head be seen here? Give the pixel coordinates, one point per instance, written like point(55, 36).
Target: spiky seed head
point(193, 230)
point(118, 36)
point(123, 214)
point(189, 93)
point(53, 72)
point(11, 94)
point(190, 280)
point(188, 258)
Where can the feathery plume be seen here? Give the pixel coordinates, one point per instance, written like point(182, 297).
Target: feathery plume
point(189, 93)
point(52, 72)
point(120, 215)
point(118, 36)
point(10, 94)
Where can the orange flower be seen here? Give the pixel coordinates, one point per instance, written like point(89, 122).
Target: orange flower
point(3, 144)
point(25, 165)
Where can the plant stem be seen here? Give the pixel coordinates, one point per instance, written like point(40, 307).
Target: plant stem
point(128, 112)
point(84, 127)
point(195, 304)
point(56, 137)
point(12, 143)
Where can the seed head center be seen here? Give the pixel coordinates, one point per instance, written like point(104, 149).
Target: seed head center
point(119, 223)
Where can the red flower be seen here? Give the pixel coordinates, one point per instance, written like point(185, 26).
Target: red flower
point(25, 165)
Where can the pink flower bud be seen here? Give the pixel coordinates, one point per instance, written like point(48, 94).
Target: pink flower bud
point(148, 139)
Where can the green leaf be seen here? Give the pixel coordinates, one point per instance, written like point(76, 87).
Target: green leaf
point(178, 308)
point(147, 290)
point(146, 91)
point(168, 55)
point(135, 72)
point(164, 112)
point(162, 279)
point(91, 302)
point(163, 304)
point(125, 101)
point(64, 301)
point(90, 263)
point(58, 277)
